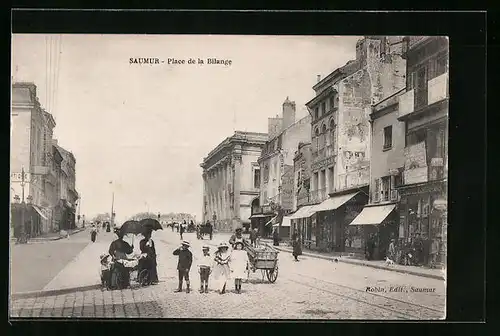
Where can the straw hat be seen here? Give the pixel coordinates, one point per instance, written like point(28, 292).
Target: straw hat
point(222, 245)
point(185, 243)
point(205, 247)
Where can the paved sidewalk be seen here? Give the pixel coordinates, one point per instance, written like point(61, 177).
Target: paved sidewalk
point(52, 236)
point(379, 264)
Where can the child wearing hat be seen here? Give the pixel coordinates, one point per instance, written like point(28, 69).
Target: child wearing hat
point(239, 262)
point(222, 272)
point(184, 265)
point(204, 269)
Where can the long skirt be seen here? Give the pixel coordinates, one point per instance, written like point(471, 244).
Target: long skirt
point(93, 235)
point(221, 274)
point(150, 265)
point(120, 276)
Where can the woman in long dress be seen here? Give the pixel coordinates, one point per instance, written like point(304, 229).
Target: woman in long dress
point(221, 271)
point(147, 246)
point(239, 262)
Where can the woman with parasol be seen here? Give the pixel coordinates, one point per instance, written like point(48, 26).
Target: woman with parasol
point(147, 247)
point(118, 250)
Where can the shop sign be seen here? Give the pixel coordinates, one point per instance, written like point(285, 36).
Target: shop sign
point(415, 164)
point(287, 181)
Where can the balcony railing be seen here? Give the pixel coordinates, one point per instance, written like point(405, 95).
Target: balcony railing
point(435, 91)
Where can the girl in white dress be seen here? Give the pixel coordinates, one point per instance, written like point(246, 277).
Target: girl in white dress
point(221, 271)
point(239, 262)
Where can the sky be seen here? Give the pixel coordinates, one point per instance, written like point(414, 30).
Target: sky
point(147, 128)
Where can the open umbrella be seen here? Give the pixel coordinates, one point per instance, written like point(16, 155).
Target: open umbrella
point(151, 224)
point(131, 227)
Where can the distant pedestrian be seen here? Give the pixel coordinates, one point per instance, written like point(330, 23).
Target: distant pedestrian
point(93, 233)
point(108, 227)
point(204, 268)
point(276, 237)
point(173, 227)
point(253, 237)
point(391, 252)
point(184, 265)
point(221, 270)
point(297, 249)
point(238, 265)
point(182, 231)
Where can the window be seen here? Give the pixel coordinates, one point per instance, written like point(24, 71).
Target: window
point(323, 108)
point(317, 139)
point(376, 192)
point(256, 178)
point(441, 64)
point(332, 132)
point(330, 179)
point(388, 137)
point(315, 181)
point(386, 188)
point(298, 179)
point(316, 113)
point(332, 102)
point(416, 137)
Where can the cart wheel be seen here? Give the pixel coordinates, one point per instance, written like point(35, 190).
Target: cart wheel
point(272, 274)
point(143, 277)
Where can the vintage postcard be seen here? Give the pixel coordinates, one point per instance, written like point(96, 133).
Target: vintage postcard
point(229, 177)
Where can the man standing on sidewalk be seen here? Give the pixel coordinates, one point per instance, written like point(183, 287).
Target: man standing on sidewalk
point(184, 265)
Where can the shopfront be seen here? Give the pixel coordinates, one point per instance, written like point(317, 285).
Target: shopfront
point(423, 216)
point(333, 216)
point(380, 222)
point(303, 222)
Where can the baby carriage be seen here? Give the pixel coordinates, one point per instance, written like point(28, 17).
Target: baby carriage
point(132, 265)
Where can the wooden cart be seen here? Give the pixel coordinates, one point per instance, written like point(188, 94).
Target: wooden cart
point(265, 259)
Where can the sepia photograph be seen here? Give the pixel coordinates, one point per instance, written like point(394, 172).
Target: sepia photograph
point(228, 177)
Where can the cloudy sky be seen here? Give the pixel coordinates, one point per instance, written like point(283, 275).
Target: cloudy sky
point(148, 127)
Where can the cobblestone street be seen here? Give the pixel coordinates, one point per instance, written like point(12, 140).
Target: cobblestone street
point(309, 289)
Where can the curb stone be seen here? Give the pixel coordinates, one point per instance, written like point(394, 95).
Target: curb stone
point(52, 292)
point(361, 263)
point(40, 239)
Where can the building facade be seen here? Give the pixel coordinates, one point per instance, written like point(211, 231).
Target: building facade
point(380, 217)
point(31, 152)
point(341, 139)
point(277, 168)
point(231, 180)
point(424, 110)
point(69, 197)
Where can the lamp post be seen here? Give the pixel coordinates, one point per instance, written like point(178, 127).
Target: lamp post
point(214, 217)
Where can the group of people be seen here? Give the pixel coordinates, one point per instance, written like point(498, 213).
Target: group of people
point(96, 227)
point(412, 252)
point(117, 275)
point(226, 264)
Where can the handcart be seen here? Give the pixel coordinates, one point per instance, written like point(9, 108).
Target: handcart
point(141, 277)
point(265, 259)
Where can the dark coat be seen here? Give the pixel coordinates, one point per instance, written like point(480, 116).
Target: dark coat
point(185, 258)
point(149, 250)
point(297, 249)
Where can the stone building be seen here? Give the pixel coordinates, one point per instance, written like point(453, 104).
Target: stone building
point(68, 202)
point(276, 166)
point(341, 141)
point(231, 180)
point(380, 216)
point(423, 109)
point(31, 151)
point(302, 180)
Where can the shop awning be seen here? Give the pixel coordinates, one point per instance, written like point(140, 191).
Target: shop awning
point(39, 211)
point(271, 221)
point(373, 215)
point(304, 212)
point(334, 202)
point(258, 216)
point(285, 223)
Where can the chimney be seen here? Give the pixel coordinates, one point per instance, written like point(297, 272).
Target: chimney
point(288, 113)
point(319, 78)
